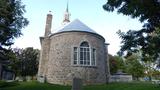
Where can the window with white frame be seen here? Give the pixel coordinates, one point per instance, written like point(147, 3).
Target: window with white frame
point(75, 56)
point(84, 55)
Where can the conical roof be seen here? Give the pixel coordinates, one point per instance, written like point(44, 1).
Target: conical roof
point(75, 25)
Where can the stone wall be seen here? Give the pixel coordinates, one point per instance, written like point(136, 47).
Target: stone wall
point(120, 78)
point(44, 57)
point(59, 68)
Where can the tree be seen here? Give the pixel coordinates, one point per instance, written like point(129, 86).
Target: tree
point(134, 67)
point(113, 64)
point(11, 23)
point(11, 61)
point(116, 63)
point(148, 12)
point(29, 61)
point(156, 74)
point(121, 63)
point(15, 61)
point(24, 62)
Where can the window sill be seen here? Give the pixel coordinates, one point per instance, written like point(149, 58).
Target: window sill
point(87, 66)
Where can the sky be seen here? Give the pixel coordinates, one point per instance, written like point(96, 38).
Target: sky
point(90, 12)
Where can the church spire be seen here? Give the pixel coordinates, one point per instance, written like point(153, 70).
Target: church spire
point(67, 7)
point(66, 16)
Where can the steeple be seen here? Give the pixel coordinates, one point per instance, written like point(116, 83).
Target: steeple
point(67, 7)
point(66, 16)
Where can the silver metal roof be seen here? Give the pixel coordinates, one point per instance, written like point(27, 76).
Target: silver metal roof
point(75, 25)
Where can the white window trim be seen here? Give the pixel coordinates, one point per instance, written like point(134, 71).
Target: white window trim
point(90, 56)
point(78, 56)
point(86, 56)
point(95, 57)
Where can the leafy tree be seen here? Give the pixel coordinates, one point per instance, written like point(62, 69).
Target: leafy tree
point(116, 63)
point(11, 61)
point(156, 74)
point(29, 61)
point(15, 61)
point(134, 67)
point(5, 62)
point(23, 62)
point(11, 23)
point(113, 64)
point(146, 39)
point(121, 63)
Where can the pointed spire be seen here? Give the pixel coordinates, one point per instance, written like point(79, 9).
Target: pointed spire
point(66, 16)
point(67, 7)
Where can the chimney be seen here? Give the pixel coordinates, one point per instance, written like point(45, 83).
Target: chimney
point(48, 24)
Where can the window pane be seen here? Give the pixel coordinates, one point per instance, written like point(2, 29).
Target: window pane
point(88, 55)
point(81, 49)
point(88, 63)
point(75, 56)
point(75, 62)
point(85, 56)
point(84, 44)
point(81, 62)
point(85, 62)
point(75, 49)
point(81, 55)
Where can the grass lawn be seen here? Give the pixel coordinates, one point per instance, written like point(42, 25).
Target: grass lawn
point(112, 86)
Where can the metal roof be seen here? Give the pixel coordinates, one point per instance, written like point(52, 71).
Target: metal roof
point(75, 25)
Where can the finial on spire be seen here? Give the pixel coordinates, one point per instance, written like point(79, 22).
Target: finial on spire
point(50, 12)
point(67, 6)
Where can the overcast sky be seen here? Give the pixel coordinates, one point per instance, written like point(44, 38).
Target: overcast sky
point(90, 12)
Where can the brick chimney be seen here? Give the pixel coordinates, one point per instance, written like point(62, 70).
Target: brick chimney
point(48, 24)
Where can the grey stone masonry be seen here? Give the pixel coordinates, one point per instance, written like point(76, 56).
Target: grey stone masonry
point(57, 57)
point(48, 25)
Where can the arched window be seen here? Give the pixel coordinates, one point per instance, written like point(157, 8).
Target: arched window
point(84, 53)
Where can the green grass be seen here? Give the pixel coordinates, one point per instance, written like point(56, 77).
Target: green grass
point(124, 86)
point(34, 86)
point(112, 86)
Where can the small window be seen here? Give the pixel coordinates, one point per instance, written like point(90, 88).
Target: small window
point(75, 56)
point(93, 57)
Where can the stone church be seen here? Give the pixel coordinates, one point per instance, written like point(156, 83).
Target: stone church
point(74, 51)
